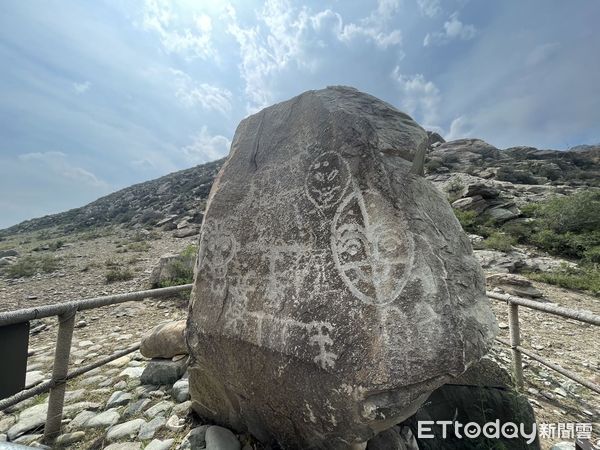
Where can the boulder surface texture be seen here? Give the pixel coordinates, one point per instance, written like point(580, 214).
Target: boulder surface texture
point(165, 340)
point(334, 289)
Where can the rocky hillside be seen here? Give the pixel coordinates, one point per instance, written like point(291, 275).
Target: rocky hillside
point(521, 174)
point(177, 198)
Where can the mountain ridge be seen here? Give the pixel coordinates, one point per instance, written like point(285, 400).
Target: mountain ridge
point(177, 200)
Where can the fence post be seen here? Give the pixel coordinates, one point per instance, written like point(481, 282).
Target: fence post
point(515, 341)
point(66, 324)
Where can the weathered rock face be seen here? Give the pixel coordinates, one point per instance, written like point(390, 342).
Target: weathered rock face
point(334, 290)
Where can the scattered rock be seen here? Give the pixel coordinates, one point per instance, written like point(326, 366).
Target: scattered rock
point(136, 407)
point(163, 371)
point(33, 378)
point(175, 423)
point(30, 419)
point(6, 423)
point(513, 284)
point(181, 390)
point(80, 419)
point(159, 408)
point(157, 444)
point(148, 429)
point(120, 362)
point(132, 372)
point(124, 446)
point(563, 446)
point(69, 438)
point(103, 420)
point(118, 398)
point(196, 438)
point(186, 232)
point(182, 408)
point(28, 439)
point(127, 429)
point(219, 438)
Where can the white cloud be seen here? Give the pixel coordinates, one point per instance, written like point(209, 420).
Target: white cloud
point(430, 8)
point(286, 37)
point(57, 162)
point(83, 87)
point(542, 53)
point(204, 95)
point(375, 26)
point(206, 147)
point(460, 128)
point(419, 97)
point(453, 29)
point(264, 54)
point(192, 40)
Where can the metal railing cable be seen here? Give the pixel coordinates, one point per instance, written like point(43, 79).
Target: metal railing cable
point(66, 313)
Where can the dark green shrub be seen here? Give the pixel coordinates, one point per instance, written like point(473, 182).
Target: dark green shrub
point(592, 255)
point(577, 213)
point(467, 219)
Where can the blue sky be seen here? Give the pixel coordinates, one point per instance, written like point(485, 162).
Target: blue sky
point(98, 95)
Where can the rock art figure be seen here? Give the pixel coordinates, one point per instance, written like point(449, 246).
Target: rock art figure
point(334, 288)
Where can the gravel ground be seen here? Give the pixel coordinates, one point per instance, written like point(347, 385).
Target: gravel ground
point(86, 258)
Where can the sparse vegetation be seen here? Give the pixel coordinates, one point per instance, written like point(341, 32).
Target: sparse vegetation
point(141, 246)
point(500, 241)
point(566, 226)
point(182, 269)
point(118, 274)
point(586, 277)
point(28, 266)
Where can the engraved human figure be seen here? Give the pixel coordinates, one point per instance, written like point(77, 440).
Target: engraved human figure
point(327, 180)
point(325, 358)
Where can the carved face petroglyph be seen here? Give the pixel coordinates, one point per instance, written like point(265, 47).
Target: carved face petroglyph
point(327, 180)
point(218, 246)
point(374, 260)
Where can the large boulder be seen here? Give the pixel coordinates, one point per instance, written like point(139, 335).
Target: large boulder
point(334, 289)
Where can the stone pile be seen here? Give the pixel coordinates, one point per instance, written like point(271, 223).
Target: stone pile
point(127, 404)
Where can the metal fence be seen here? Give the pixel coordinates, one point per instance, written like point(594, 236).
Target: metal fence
point(515, 336)
point(66, 313)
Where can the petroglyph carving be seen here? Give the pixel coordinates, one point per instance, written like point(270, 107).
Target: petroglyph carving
point(217, 247)
point(250, 324)
point(327, 180)
point(373, 259)
point(324, 358)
